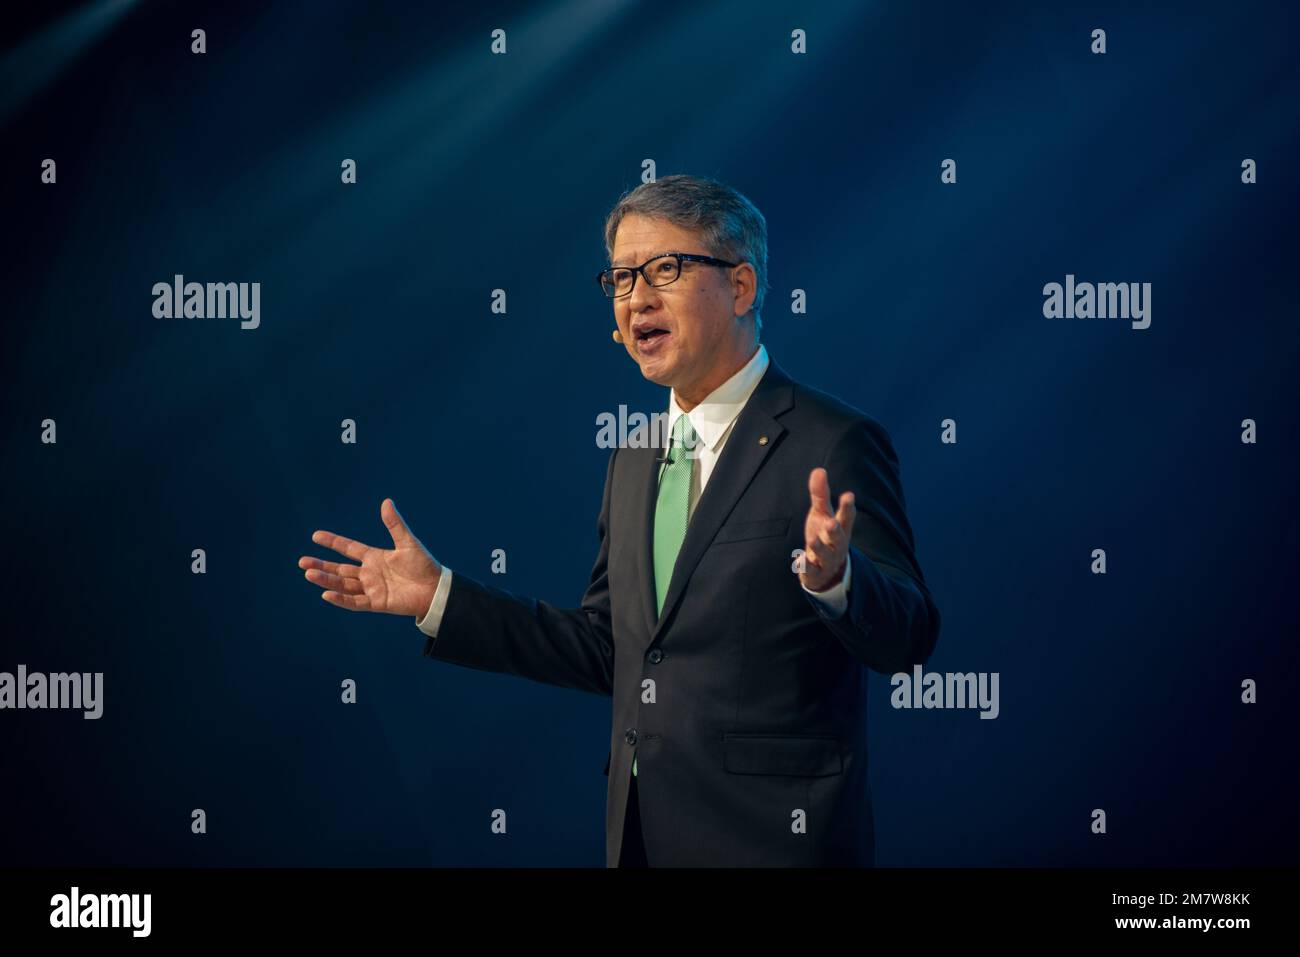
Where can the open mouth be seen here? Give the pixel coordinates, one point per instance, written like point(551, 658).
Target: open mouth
point(650, 334)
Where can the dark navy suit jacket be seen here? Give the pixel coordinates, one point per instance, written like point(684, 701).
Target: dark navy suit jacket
point(744, 704)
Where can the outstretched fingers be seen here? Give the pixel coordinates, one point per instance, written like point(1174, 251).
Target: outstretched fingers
point(350, 602)
point(819, 491)
point(847, 511)
point(332, 568)
point(351, 586)
point(827, 533)
point(339, 543)
point(395, 524)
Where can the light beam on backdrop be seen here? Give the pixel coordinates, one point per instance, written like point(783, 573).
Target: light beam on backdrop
point(29, 67)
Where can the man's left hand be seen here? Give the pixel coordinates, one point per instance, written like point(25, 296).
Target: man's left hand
point(826, 534)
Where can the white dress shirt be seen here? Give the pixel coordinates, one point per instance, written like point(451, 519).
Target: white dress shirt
point(712, 421)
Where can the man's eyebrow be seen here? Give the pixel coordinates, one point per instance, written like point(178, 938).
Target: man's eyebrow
point(624, 260)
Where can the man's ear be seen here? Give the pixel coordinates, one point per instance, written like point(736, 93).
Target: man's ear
point(754, 282)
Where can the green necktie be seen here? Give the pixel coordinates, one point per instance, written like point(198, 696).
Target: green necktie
point(672, 509)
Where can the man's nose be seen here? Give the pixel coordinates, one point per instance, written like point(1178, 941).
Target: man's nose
point(643, 295)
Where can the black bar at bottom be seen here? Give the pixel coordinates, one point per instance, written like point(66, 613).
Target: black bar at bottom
point(243, 906)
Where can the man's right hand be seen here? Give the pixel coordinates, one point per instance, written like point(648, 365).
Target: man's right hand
point(399, 580)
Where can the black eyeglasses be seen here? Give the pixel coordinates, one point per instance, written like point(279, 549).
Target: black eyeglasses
point(617, 281)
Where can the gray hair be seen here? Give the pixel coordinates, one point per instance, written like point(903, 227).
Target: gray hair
point(729, 225)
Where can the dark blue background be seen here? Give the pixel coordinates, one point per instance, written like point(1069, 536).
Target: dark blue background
point(476, 172)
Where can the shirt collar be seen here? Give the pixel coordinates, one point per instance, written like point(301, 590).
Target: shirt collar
point(712, 417)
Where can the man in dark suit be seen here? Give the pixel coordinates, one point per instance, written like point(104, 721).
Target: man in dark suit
point(731, 608)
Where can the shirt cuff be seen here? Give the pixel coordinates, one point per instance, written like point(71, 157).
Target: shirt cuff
point(433, 617)
point(836, 598)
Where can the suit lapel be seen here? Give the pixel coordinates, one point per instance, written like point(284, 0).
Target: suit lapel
point(752, 439)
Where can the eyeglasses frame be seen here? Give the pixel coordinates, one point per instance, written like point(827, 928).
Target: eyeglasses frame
point(640, 270)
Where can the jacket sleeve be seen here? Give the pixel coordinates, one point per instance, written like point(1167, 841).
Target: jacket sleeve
point(891, 622)
point(495, 630)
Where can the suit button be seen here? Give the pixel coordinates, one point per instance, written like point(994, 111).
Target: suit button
point(630, 736)
point(656, 656)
